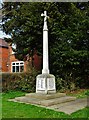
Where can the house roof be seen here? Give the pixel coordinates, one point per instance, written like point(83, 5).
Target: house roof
point(3, 43)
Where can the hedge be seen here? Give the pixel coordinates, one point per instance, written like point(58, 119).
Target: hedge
point(19, 81)
point(27, 82)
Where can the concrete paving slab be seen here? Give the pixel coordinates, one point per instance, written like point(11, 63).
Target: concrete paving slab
point(77, 101)
point(55, 101)
point(45, 96)
point(27, 100)
point(66, 104)
point(47, 102)
point(71, 107)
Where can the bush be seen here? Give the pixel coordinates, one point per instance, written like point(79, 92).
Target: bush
point(27, 82)
point(87, 93)
point(19, 81)
point(68, 84)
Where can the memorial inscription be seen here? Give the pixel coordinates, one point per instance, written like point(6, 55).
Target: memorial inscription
point(51, 83)
point(41, 83)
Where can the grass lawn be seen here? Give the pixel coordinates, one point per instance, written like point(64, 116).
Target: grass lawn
point(21, 110)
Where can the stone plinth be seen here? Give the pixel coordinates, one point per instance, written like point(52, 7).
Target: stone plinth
point(45, 96)
point(45, 99)
point(45, 84)
point(60, 102)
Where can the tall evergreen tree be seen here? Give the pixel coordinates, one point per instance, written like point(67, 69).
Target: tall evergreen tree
point(68, 34)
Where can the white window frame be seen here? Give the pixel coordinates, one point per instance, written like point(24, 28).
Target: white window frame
point(17, 63)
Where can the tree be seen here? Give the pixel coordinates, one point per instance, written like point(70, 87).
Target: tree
point(68, 34)
point(23, 26)
point(73, 46)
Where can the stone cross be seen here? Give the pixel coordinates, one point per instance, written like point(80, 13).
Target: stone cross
point(45, 82)
point(45, 16)
point(45, 45)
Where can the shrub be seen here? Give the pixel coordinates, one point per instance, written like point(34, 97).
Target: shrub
point(62, 85)
point(19, 81)
point(87, 93)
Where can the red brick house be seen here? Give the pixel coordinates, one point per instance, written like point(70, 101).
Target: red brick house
point(4, 52)
point(9, 63)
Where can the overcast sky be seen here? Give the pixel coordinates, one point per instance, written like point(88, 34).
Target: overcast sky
point(0, 2)
point(2, 35)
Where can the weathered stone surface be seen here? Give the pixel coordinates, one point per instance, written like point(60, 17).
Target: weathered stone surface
point(66, 104)
point(55, 101)
point(72, 106)
point(48, 101)
point(45, 84)
point(45, 96)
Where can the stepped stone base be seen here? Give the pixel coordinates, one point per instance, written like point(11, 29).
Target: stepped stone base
point(57, 101)
point(45, 99)
point(45, 96)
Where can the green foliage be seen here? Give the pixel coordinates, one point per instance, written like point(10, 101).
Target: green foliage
point(61, 85)
point(21, 110)
point(87, 92)
point(79, 93)
point(68, 26)
point(19, 81)
point(64, 85)
point(11, 110)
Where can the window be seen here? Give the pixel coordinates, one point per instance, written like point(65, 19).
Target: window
point(17, 66)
